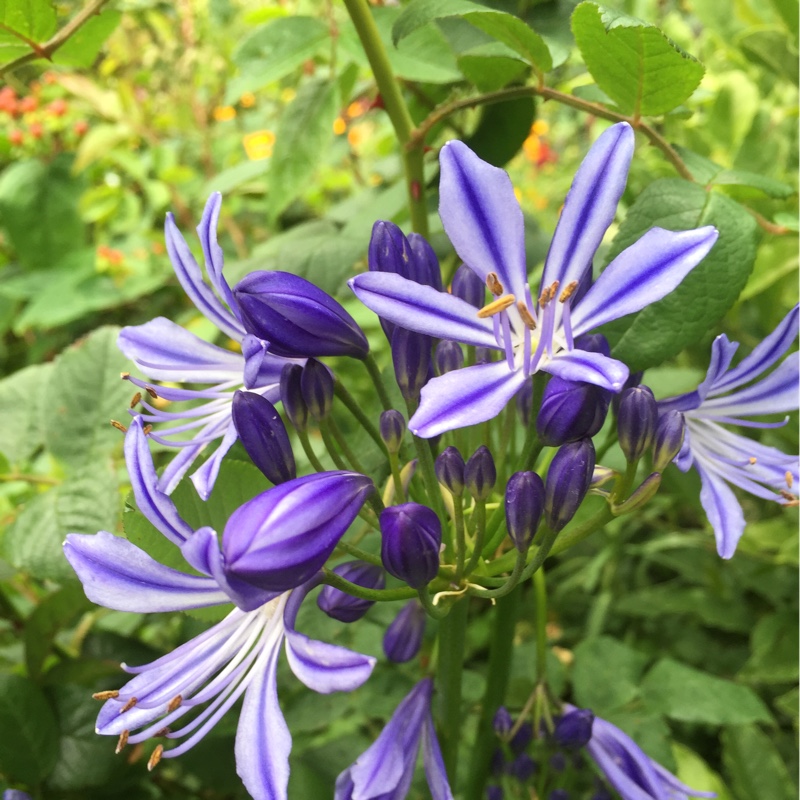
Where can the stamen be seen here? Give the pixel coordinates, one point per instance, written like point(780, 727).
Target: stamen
point(789, 479)
point(129, 705)
point(494, 285)
point(527, 317)
point(175, 703)
point(163, 732)
point(496, 306)
point(568, 291)
point(152, 392)
point(136, 399)
point(752, 460)
point(125, 376)
point(155, 758)
point(548, 293)
point(553, 291)
point(507, 340)
point(112, 694)
point(147, 429)
point(122, 741)
point(118, 425)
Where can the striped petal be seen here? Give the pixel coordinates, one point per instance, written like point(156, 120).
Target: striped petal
point(722, 509)
point(212, 252)
point(587, 367)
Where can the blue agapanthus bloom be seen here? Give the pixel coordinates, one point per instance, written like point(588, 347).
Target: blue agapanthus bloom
point(729, 397)
point(164, 351)
point(385, 770)
point(484, 222)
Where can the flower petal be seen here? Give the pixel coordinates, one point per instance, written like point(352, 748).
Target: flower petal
point(482, 217)
point(423, 309)
point(590, 206)
point(722, 353)
point(465, 397)
point(117, 574)
point(645, 272)
point(722, 509)
point(588, 367)
point(435, 771)
point(212, 252)
point(206, 476)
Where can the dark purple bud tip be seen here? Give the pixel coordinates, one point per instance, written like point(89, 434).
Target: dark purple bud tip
point(292, 396)
point(567, 482)
point(502, 722)
point(296, 317)
point(469, 287)
point(571, 411)
point(574, 729)
point(393, 429)
point(636, 421)
point(593, 343)
point(669, 436)
point(424, 263)
point(525, 403)
point(389, 250)
point(522, 738)
point(634, 379)
point(411, 355)
point(342, 606)
point(264, 436)
point(558, 762)
point(449, 356)
point(450, 470)
point(403, 638)
point(316, 385)
point(558, 794)
point(522, 768)
point(411, 536)
point(524, 507)
point(480, 474)
point(494, 793)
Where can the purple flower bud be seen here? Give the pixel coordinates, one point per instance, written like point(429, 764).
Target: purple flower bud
point(292, 396)
point(524, 506)
point(570, 411)
point(525, 403)
point(411, 355)
point(480, 473)
point(558, 794)
point(316, 384)
point(522, 738)
point(483, 355)
point(670, 432)
point(393, 429)
point(502, 722)
point(450, 470)
point(636, 421)
point(279, 539)
point(497, 763)
point(522, 768)
point(634, 379)
point(469, 287)
point(389, 250)
point(449, 356)
point(342, 606)
point(403, 638)
point(567, 482)
point(424, 264)
point(494, 793)
point(264, 436)
point(558, 762)
point(574, 729)
point(297, 318)
point(411, 536)
point(593, 342)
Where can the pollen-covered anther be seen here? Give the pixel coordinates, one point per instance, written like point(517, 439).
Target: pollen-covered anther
point(752, 460)
point(129, 705)
point(162, 732)
point(494, 285)
point(496, 306)
point(527, 317)
point(122, 741)
point(111, 694)
point(548, 293)
point(789, 479)
point(152, 392)
point(569, 290)
point(118, 425)
point(175, 703)
point(136, 399)
point(126, 376)
point(791, 500)
point(147, 429)
point(155, 757)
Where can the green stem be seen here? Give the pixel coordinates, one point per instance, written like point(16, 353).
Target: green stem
point(540, 597)
point(509, 586)
point(330, 446)
point(375, 374)
point(577, 534)
point(302, 435)
point(399, 492)
point(332, 579)
point(341, 440)
point(461, 544)
point(480, 535)
point(355, 409)
point(427, 603)
point(357, 552)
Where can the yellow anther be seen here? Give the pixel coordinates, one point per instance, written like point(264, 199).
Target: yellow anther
point(752, 460)
point(789, 479)
point(527, 317)
point(553, 291)
point(155, 758)
point(496, 306)
point(125, 375)
point(122, 741)
point(569, 290)
point(548, 293)
point(147, 429)
point(129, 705)
point(136, 399)
point(152, 392)
point(175, 703)
point(494, 285)
point(109, 695)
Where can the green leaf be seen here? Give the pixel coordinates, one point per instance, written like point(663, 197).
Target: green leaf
point(774, 650)
point(491, 67)
point(688, 695)
point(21, 433)
point(605, 674)
point(39, 211)
point(304, 134)
point(236, 176)
point(647, 729)
point(34, 19)
point(502, 130)
point(772, 49)
point(755, 766)
point(633, 62)
point(29, 744)
point(740, 177)
point(83, 47)
point(694, 772)
point(663, 329)
point(99, 140)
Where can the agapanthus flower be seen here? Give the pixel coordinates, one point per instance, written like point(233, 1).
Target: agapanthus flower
point(238, 656)
point(484, 222)
point(164, 351)
point(729, 396)
point(385, 770)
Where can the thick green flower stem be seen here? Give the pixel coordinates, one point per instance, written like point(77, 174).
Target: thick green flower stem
point(450, 667)
point(480, 535)
point(376, 595)
point(540, 597)
point(399, 492)
point(577, 534)
point(302, 435)
point(354, 408)
point(396, 108)
point(500, 653)
point(509, 586)
point(375, 375)
point(461, 545)
point(430, 609)
point(330, 446)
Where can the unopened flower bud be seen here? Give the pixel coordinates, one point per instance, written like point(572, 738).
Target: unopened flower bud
point(641, 495)
point(558, 794)
point(570, 411)
point(524, 506)
point(522, 738)
point(296, 317)
point(469, 287)
point(558, 762)
point(292, 396)
point(449, 356)
point(411, 355)
point(389, 250)
point(393, 429)
point(567, 482)
point(670, 433)
point(574, 729)
point(634, 379)
point(424, 264)
point(522, 768)
point(525, 403)
point(316, 384)
point(593, 342)
point(480, 473)
point(636, 421)
point(411, 536)
point(450, 470)
point(263, 434)
point(483, 355)
point(342, 606)
point(494, 792)
point(502, 722)
point(403, 638)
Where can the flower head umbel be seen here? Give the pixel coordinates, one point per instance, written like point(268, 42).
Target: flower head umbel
point(484, 222)
point(722, 457)
point(182, 695)
point(164, 351)
point(385, 770)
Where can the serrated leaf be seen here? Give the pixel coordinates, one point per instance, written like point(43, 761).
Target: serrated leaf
point(605, 674)
point(303, 136)
point(490, 72)
point(688, 695)
point(755, 766)
point(21, 433)
point(29, 744)
point(83, 47)
point(663, 329)
point(34, 19)
point(633, 62)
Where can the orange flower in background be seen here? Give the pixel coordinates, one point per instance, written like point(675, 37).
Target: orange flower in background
point(339, 126)
point(224, 113)
point(536, 148)
point(258, 144)
point(247, 100)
